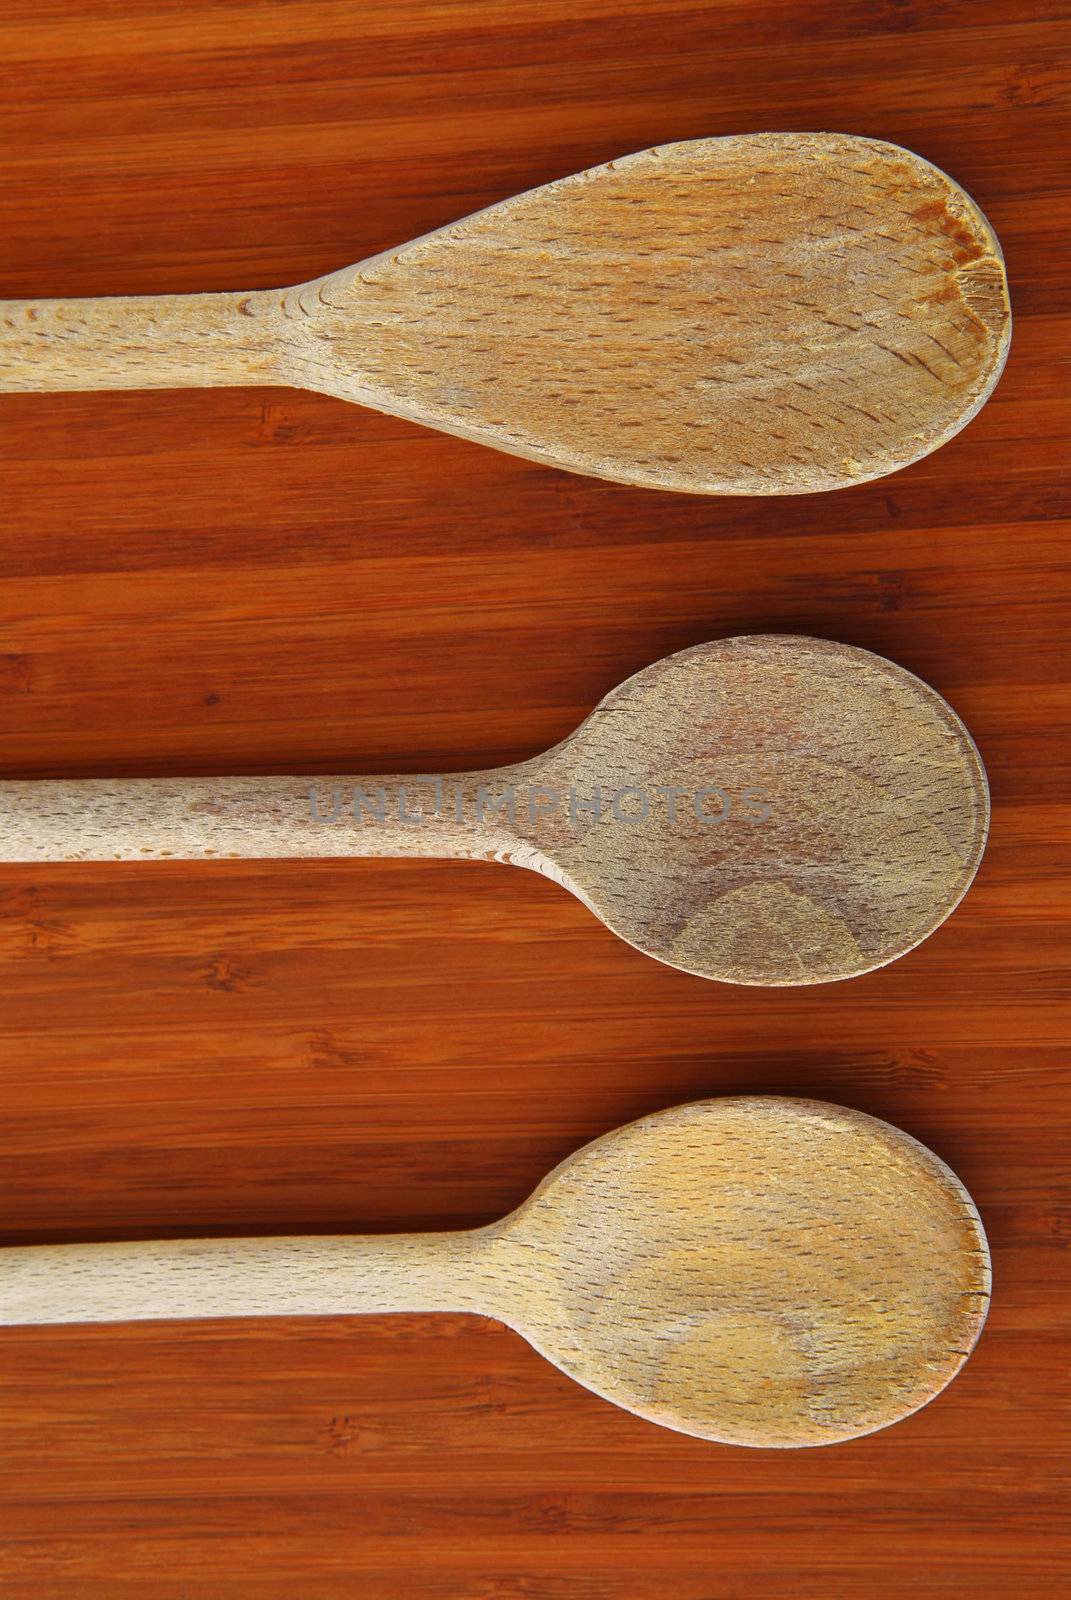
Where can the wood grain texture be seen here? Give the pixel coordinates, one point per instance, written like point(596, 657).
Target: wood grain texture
point(758, 1271)
point(249, 581)
point(766, 810)
point(771, 314)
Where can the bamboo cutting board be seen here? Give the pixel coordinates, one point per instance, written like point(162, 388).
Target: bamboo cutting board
point(269, 581)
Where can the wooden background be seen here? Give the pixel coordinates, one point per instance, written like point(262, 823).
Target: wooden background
point(262, 580)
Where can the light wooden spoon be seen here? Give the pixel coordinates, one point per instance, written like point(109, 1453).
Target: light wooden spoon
point(772, 810)
point(757, 1271)
point(770, 313)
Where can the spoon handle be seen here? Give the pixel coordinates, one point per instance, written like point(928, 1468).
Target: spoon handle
point(140, 342)
point(145, 819)
point(174, 1279)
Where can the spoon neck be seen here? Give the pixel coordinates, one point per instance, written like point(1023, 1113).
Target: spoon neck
point(460, 815)
point(463, 815)
point(178, 1279)
point(141, 342)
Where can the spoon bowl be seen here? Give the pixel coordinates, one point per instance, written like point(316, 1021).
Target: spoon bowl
point(799, 811)
point(768, 313)
point(759, 1271)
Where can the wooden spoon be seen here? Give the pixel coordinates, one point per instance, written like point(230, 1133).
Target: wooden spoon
point(771, 810)
point(757, 1271)
point(771, 313)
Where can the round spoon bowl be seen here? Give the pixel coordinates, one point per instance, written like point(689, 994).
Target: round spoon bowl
point(758, 1271)
point(797, 811)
